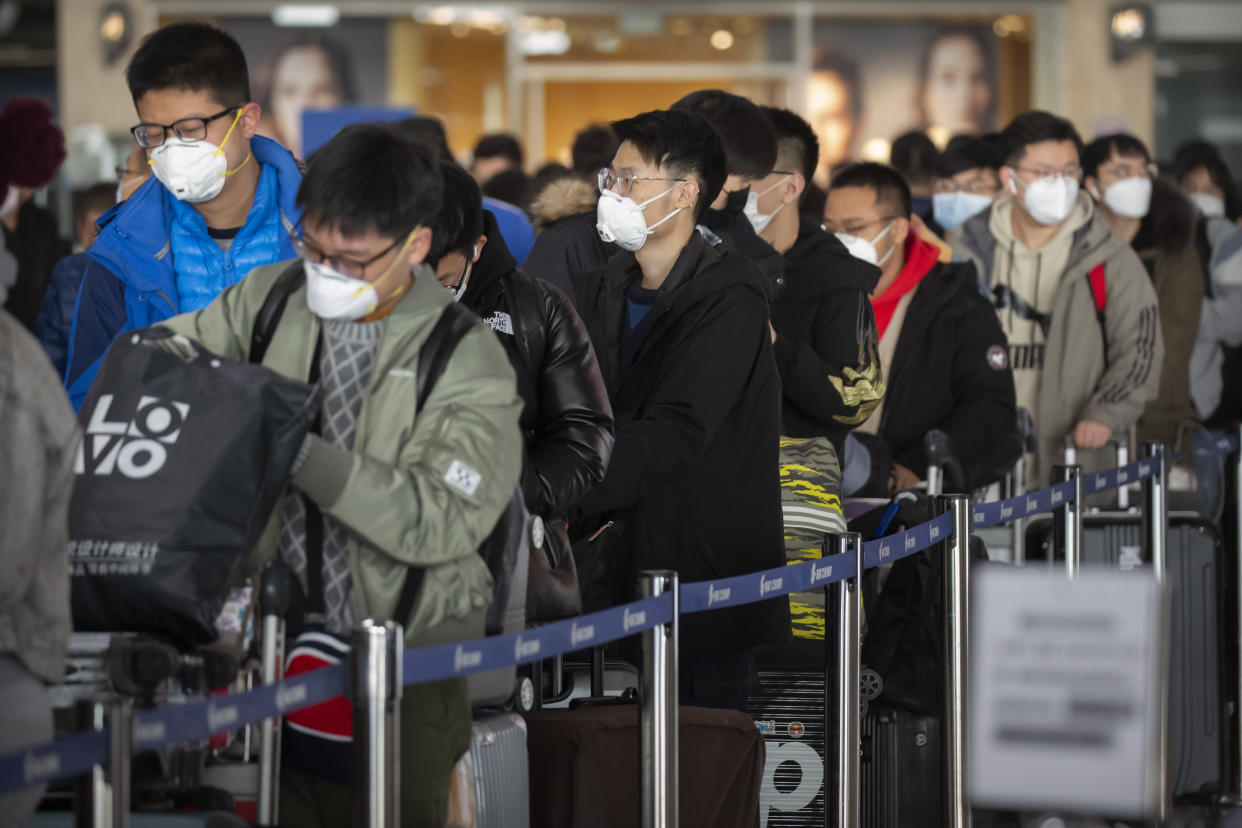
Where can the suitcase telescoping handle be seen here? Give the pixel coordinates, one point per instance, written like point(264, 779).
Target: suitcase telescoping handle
point(943, 467)
point(280, 598)
point(1120, 441)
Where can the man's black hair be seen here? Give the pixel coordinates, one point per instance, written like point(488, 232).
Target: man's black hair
point(1101, 149)
point(194, 57)
point(95, 198)
point(914, 156)
point(847, 70)
point(796, 143)
point(748, 139)
point(594, 148)
point(968, 152)
point(459, 222)
point(891, 190)
point(426, 130)
point(1035, 127)
point(368, 178)
point(682, 142)
point(554, 171)
point(1199, 153)
point(499, 145)
point(511, 186)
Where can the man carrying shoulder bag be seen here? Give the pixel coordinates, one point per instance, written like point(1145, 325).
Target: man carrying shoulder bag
point(387, 499)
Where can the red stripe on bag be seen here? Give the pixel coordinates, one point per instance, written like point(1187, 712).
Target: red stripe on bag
point(332, 719)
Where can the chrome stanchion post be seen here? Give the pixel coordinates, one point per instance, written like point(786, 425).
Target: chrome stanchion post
point(102, 793)
point(375, 684)
point(1155, 512)
point(1123, 459)
point(1237, 587)
point(1018, 527)
point(1155, 530)
point(844, 664)
point(277, 589)
point(1067, 520)
point(658, 712)
point(956, 596)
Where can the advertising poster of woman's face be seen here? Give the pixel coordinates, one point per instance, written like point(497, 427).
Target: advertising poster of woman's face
point(957, 84)
point(295, 70)
point(873, 80)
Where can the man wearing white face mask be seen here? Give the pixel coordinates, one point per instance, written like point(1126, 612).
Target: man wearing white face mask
point(1216, 366)
point(386, 489)
point(681, 334)
point(1159, 223)
point(942, 352)
point(823, 330)
point(1073, 299)
point(220, 201)
point(729, 224)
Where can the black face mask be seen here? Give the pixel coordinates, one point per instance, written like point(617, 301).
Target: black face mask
point(735, 204)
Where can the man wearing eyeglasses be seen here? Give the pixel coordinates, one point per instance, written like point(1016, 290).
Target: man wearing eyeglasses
point(386, 490)
point(1158, 221)
point(1073, 299)
point(681, 333)
point(220, 201)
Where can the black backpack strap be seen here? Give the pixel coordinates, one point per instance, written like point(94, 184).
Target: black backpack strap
point(454, 323)
point(274, 308)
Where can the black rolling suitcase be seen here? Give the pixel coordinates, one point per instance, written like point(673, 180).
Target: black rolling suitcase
point(1202, 664)
point(900, 769)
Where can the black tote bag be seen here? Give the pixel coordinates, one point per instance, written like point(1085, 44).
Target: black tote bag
point(184, 457)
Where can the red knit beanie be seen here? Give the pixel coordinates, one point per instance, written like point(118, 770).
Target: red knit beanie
point(31, 146)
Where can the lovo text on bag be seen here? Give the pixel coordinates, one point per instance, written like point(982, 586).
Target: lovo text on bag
point(181, 464)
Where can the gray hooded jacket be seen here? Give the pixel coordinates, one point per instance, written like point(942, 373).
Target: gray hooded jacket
point(1103, 373)
point(38, 441)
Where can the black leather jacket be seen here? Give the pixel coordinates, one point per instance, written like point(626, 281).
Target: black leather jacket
point(566, 416)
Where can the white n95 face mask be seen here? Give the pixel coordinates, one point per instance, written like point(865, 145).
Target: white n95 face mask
point(861, 248)
point(1208, 204)
point(333, 295)
point(620, 220)
point(758, 220)
point(1048, 200)
point(1129, 197)
point(193, 171)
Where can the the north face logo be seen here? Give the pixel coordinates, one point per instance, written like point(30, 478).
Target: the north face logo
point(136, 448)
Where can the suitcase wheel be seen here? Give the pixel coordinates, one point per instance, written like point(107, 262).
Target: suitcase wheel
point(870, 684)
point(523, 699)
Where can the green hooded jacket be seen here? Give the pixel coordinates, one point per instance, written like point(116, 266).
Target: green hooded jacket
point(394, 492)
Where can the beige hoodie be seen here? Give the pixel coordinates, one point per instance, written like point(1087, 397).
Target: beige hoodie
point(1032, 278)
point(1106, 373)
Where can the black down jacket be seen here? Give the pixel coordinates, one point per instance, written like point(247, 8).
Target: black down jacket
point(566, 417)
point(951, 371)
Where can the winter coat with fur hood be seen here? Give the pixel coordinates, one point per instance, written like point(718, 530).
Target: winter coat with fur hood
point(568, 243)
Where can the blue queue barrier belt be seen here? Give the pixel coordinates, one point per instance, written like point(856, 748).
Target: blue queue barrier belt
point(78, 752)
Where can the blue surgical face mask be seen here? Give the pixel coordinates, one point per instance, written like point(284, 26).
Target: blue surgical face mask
point(952, 209)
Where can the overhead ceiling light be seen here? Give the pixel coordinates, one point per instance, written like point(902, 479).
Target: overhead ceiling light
point(877, 150)
point(722, 39)
point(544, 43)
point(441, 16)
point(306, 14)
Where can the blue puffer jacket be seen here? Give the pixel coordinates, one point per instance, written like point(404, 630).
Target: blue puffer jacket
point(153, 259)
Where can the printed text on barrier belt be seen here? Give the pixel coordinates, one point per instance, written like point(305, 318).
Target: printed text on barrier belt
point(1053, 497)
point(76, 753)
